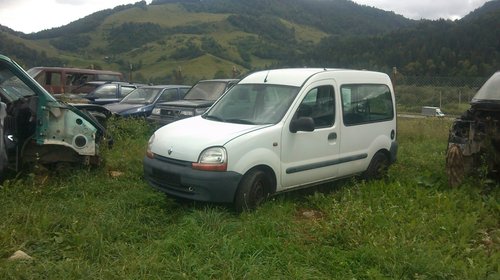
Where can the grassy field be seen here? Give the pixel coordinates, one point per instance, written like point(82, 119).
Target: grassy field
point(93, 224)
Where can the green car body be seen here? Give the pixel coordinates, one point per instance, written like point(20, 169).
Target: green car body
point(37, 128)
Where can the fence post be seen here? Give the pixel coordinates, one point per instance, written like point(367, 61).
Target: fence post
point(131, 69)
point(394, 76)
point(459, 98)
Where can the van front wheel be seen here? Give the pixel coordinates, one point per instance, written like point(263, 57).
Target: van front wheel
point(253, 190)
point(378, 167)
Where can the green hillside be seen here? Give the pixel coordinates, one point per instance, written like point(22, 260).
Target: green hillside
point(204, 39)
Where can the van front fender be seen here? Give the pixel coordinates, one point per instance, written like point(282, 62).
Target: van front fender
point(259, 157)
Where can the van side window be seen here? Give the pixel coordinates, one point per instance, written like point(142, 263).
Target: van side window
point(319, 104)
point(53, 78)
point(168, 95)
point(76, 79)
point(365, 103)
point(126, 90)
point(106, 91)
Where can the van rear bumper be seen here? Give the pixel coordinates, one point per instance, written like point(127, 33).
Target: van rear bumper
point(180, 180)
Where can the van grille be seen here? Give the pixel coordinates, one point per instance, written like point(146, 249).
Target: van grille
point(170, 113)
point(165, 180)
point(172, 161)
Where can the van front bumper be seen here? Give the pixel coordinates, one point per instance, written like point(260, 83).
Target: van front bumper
point(179, 179)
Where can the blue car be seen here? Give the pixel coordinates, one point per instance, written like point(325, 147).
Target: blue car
point(110, 92)
point(141, 101)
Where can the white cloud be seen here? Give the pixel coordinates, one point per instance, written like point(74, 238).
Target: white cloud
point(7, 3)
point(428, 9)
point(36, 15)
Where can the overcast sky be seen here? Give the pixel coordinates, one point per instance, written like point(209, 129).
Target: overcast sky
point(35, 15)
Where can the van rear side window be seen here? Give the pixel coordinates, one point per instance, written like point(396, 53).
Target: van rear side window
point(366, 103)
point(53, 78)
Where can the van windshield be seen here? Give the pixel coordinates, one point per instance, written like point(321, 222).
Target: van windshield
point(490, 91)
point(141, 96)
point(208, 90)
point(253, 104)
point(34, 71)
point(11, 87)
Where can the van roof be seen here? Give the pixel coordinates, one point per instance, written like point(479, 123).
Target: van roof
point(298, 76)
point(70, 69)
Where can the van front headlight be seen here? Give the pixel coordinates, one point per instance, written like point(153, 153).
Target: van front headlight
point(156, 111)
point(199, 111)
point(212, 159)
point(186, 113)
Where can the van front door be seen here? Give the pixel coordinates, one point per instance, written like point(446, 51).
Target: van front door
point(312, 156)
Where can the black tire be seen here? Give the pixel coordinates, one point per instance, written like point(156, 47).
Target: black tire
point(253, 190)
point(378, 167)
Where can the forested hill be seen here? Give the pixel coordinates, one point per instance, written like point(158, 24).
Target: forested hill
point(468, 47)
point(488, 9)
point(331, 16)
point(221, 38)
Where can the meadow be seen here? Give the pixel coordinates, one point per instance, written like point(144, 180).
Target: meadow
point(107, 223)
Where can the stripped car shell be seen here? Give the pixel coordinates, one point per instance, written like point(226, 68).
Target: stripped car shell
point(474, 138)
point(38, 128)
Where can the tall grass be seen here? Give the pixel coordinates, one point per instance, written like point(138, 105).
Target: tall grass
point(90, 224)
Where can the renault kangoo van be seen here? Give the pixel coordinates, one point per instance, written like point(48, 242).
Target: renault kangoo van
point(278, 130)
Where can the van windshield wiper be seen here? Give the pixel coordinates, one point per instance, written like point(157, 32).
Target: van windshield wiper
point(214, 118)
point(240, 121)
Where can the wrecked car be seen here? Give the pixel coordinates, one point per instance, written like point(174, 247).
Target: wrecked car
point(140, 102)
point(37, 128)
point(196, 101)
point(474, 138)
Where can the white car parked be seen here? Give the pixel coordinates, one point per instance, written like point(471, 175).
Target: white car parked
point(278, 130)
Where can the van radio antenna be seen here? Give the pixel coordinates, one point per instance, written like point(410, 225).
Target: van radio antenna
point(265, 79)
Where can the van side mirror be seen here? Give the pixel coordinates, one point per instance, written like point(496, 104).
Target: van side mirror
point(302, 124)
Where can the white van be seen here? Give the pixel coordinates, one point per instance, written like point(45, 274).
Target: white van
point(432, 112)
point(278, 130)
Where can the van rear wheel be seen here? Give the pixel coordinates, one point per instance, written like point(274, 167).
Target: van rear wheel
point(253, 190)
point(378, 167)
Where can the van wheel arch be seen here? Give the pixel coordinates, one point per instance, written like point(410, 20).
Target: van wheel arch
point(254, 188)
point(47, 154)
point(379, 165)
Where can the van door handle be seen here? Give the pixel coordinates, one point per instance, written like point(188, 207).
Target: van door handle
point(332, 136)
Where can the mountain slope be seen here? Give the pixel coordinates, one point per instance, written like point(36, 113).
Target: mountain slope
point(203, 39)
point(330, 16)
point(488, 8)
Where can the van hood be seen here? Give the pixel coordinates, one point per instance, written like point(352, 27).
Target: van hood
point(122, 107)
point(186, 139)
point(187, 103)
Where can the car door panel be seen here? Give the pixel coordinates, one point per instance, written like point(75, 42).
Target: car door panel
point(309, 157)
